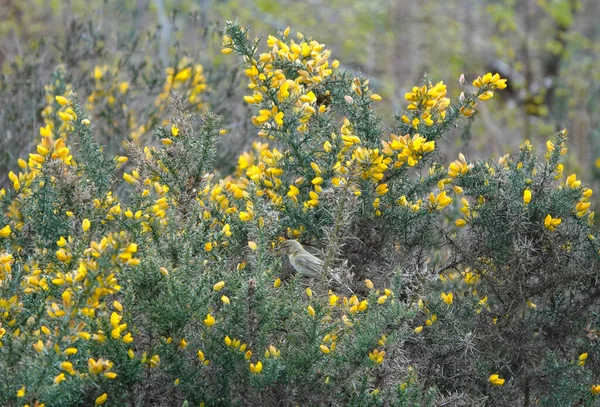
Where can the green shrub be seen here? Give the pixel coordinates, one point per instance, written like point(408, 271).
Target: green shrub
point(440, 285)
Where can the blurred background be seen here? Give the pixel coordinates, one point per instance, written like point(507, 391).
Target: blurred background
point(116, 56)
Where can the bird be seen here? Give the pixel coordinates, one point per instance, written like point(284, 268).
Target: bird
point(302, 261)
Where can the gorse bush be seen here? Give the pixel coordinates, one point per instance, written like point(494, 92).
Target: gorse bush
point(151, 279)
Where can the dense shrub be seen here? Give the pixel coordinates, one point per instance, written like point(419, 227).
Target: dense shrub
point(151, 279)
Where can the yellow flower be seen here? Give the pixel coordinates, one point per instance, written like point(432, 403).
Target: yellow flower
point(5, 231)
point(309, 292)
point(219, 286)
point(447, 298)
point(377, 356)
point(419, 329)
point(85, 225)
point(382, 189)
point(375, 97)
point(460, 223)
point(531, 304)
point(310, 310)
point(63, 101)
point(174, 131)
point(526, 196)
point(154, 361)
point(324, 349)
point(59, 378)
point(252, 245)
point(491, 81)
point(225, 299)
point(293, 191)
point(496, 380)
point(595, 389)
point(209, 320)
point(21, 392)
point(38, 346)
point(208, 247)
point(67, 367)
point(551, 223)
point(129, 178)
point(573, 182)
point(277, 282)
point(582, 358)
point(101, 399)
point(369, 284)
point(256, 368)
point(245, 216)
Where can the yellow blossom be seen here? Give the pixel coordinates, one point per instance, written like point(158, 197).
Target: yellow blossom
point(551, 223)
point(101, 399)
point(59, 378)
point(496, 380)
point(256, 368)
point(61, 100)
point(5, 231)
point(377, 356)
point(447, 298)
point(209, 320)
point(526, 196)
point(582, 358)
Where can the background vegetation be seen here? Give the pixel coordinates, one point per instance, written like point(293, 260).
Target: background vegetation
point(153, 158)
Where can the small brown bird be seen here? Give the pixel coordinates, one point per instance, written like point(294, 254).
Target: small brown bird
point(302, 261)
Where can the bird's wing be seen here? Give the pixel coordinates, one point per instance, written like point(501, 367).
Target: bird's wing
point(311, 263)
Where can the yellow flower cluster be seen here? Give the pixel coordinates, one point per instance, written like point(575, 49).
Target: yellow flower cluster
point(431, 319)
point(406, 149)
point(107, 89)
point(582, 207)
point(428, 104)
point(118, 96)
point(188, 80)
point(275, 89)
point(488, 83)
